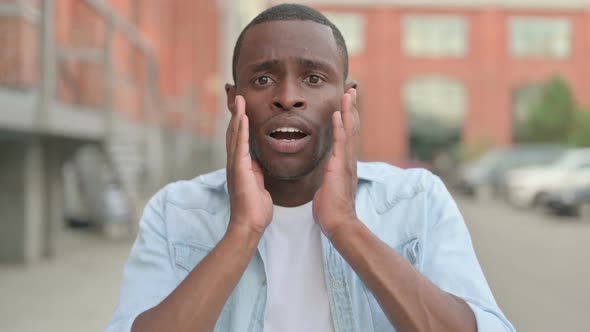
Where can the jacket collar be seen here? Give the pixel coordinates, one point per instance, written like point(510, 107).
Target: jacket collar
point(218, 180)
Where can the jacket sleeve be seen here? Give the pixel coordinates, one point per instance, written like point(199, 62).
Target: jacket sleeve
point(449, 260)
point(149, 276)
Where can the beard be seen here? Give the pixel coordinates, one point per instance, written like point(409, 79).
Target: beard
point(289, 175)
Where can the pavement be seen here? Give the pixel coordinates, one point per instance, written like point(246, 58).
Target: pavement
point(77, 291)
point(538, 267)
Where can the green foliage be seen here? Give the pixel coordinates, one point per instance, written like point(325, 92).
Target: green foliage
point(550, 119)
point(580, 129)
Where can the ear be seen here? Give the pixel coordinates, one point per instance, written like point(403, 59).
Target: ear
point(230, 91)
point(350, 85)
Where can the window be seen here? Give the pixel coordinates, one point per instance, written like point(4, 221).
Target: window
point(435, 105)
point(436, 109)
point(352, 27)
point(540, 37)
point(435, 36)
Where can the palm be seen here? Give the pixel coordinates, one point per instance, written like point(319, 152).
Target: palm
point(334, 202)
point(251, 203)
point(249, 196)
point(334, 198)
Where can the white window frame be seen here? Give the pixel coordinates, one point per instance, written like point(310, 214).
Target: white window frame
point(519, 48)
point(353, 27)
point(432, 41)
point(455, 100)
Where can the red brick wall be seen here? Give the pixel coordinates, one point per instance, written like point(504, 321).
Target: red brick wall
point(18, 53)
point(488, 73)
point(192, 60)
point(78, 26)
point(184, 35)
point(207, 64)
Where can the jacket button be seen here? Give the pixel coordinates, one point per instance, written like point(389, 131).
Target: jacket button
point(336, 284)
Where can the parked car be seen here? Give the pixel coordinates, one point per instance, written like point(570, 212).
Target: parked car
point(532, 186)
point(486, 176)
point(568, 201)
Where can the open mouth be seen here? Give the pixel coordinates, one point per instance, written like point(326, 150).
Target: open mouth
point(288, 134)
point(288, 139)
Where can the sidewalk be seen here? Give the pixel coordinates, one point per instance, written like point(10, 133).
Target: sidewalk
point(76, 292)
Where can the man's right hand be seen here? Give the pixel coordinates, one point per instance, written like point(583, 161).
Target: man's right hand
point(251, 203)
point(195, 305)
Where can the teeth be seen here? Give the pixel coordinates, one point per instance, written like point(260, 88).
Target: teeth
point(287, 130)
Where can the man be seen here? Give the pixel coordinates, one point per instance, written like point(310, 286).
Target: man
point(295, 235)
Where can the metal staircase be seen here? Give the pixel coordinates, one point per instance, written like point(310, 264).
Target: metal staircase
point(109, 136)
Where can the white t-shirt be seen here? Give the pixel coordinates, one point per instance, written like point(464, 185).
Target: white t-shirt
point(297, 297)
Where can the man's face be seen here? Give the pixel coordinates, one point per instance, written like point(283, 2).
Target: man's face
point(291, 75)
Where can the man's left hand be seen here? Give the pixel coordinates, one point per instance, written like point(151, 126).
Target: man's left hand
point(334, 202)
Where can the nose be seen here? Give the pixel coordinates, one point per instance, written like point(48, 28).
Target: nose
point(288, 97)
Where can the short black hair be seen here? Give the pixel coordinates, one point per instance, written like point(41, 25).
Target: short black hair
point(292, 12)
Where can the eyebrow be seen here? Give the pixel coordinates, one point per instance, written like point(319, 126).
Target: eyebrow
point(315, 64)
point(303, 62)
point(264, 66)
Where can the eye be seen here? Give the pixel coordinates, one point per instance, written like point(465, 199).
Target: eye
point(314, 79)
point(263, 81)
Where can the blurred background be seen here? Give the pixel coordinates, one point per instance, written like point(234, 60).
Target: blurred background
point(102, 102)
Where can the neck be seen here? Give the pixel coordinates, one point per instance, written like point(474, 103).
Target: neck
point(290, 193)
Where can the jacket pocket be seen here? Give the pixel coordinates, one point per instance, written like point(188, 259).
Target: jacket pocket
point(410, 250)
point(186, 257)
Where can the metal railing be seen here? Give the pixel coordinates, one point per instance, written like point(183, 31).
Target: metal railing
point(54, 56)
point(105, 56)
point(102, 54)
point(111, 38)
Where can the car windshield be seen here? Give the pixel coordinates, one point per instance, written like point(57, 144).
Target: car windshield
point(520, 156)
point(491, 159)
point(536, 156)
point(572, 159)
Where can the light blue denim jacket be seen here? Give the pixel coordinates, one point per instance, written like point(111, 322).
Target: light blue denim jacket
point(410, 210)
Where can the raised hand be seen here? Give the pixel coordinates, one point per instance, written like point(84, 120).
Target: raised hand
point(334, 202)
point(251, 203)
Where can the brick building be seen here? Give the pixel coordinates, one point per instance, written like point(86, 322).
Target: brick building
point(138, 81)
point(142, 80)
point(463, 70)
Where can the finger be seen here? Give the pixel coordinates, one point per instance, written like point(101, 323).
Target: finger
point(230, 128)
point(240, 105)
point(356, 112)
point(339, 149)
point(354, 99)
point(239, 112)
point(242, 144)
point(356, 125)
point(346, 110)
point(228, 133)
point(348, 120)
point(351, 115)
